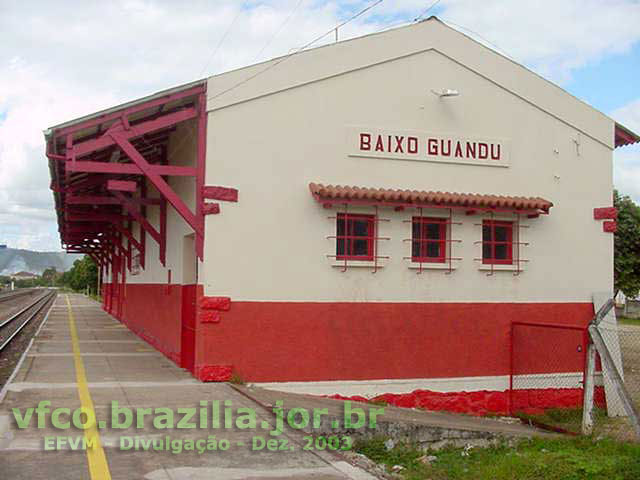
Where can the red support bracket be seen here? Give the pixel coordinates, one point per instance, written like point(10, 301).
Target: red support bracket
point(163, 234)
point(610, 226)
point(132, 209)
point(86, 166)
point(224, 194)
point(605, 213)
point(215, 303)
point(201, 160)
point(127, 233)
point(161, 185)
point(210, 308)
point(106, 200)
point(90, 159)
point(108, 138)
point(122, 185)
point(211, 209)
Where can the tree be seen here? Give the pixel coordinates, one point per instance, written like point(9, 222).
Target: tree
point(49, 276)
point(83, 274)
point(627, 246)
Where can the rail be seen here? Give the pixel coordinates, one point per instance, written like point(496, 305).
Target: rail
point(4, 296)
point(25, 316)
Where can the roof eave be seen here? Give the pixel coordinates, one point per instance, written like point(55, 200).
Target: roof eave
point(132, 103)
point(624, 136)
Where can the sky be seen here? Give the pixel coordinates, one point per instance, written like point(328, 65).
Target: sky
point(61, 60)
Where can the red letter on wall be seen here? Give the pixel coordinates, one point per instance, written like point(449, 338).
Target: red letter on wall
point(365, 142)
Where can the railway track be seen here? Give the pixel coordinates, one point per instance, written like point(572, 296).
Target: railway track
point(11, 326)
point(4, 296)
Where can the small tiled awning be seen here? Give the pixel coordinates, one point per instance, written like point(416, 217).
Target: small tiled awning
point(330, 194)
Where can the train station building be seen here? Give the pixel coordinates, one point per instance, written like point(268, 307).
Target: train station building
point(366, 217)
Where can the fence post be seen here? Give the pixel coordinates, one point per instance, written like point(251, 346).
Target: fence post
point(605, 317)
point(510, 405)
point(589, 384)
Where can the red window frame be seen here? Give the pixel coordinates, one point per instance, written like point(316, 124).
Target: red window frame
point(349, 236)
point(423, 240)
point(492, 260)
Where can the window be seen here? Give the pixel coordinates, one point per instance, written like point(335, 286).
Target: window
point(428, 239)
point(497, 242)
point(355, 236)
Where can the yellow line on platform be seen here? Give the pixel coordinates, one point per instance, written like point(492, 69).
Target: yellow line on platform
point(98, 467)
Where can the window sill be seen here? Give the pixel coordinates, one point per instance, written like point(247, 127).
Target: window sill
point(358, 263)
point(500, 267)
point(432, 266)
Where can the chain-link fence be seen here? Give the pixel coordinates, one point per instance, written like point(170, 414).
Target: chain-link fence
point(622, 339)
point(547, 374)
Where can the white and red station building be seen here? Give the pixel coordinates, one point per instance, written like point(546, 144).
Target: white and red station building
point(366, 217)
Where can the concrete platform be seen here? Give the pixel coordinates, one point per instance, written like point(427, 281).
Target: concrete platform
point(109, 363)
point(424, 427)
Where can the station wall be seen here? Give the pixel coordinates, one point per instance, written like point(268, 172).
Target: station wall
point(311, 321)
point(294, 315)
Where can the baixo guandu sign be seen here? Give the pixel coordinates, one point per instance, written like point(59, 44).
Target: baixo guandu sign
point(427, 147)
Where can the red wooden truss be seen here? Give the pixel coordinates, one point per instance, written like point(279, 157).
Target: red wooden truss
point(112, 169)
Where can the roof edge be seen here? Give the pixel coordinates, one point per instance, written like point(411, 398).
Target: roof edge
point(131, 103)
point(624, 136)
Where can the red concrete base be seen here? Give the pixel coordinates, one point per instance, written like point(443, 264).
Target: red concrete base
point(214, 373)
point(529, 401)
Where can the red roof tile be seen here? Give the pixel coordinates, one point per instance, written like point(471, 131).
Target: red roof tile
point(337, 193)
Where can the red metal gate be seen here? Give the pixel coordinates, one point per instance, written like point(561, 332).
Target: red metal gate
point(547, 367)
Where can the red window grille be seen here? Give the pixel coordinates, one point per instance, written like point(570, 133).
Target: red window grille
point(428, 239)
point(497, 242)
point(355, 236)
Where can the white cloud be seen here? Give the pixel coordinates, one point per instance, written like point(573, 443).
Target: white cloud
point(554, 38)
point(65, 59)
point(629, 115)
point(69, 60)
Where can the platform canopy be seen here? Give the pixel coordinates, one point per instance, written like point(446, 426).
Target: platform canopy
point(404, 198)
point(110, 168)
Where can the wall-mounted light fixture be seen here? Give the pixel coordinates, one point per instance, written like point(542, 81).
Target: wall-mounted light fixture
point(445, 92)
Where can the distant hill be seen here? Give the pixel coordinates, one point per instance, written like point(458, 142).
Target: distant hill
point(14, 260)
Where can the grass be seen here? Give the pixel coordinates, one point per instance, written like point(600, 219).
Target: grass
point(629, 321)
point(236, 379)
point(576, 458)
point(569, 419)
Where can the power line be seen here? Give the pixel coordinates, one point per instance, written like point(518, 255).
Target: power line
point(293, 12)
point(495, 47)
point(419, 17)
point(223, 38)
point(289, 55)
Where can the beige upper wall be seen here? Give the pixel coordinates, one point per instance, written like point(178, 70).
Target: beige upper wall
point(271, 245)
point(273, 135)
point(312, 65)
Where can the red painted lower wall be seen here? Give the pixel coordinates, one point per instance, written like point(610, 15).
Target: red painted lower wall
point(154, 313)
point(286, 341)
point(289, 341)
